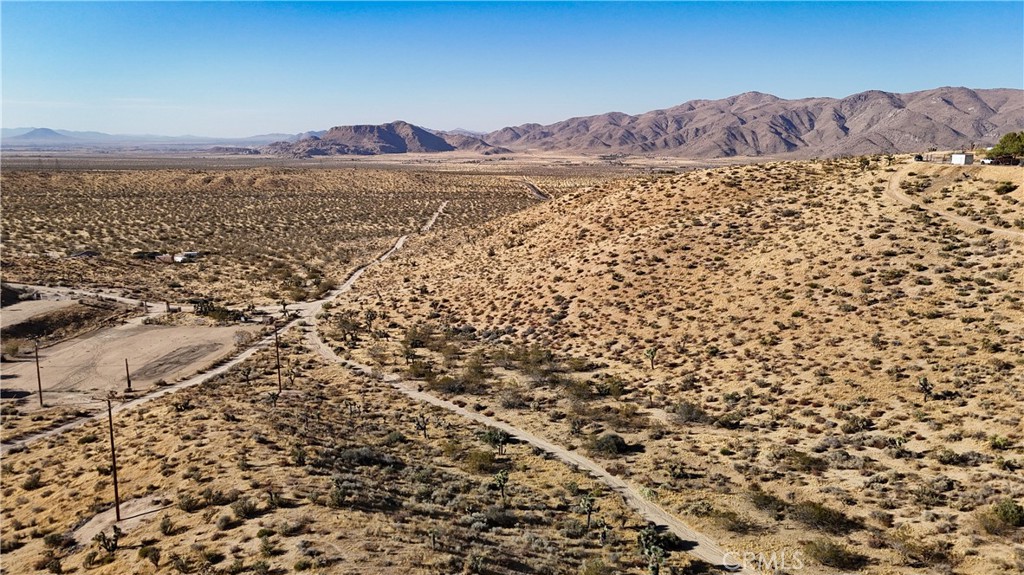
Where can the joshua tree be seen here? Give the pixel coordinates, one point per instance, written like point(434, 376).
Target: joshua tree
point(651, 353)
point(651, 548)
point(587, 505)
point(925, 386)
point(422, 423)
point(369, 315)
point(109, 544)
point(501, 481)
point(247, 372)
point(496, 438)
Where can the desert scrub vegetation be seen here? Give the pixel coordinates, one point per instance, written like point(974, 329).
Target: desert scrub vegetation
point(265, 233)
point(811, 335)
point(335, 474)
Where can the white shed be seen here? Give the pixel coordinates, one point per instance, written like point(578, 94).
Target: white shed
point(962, 159)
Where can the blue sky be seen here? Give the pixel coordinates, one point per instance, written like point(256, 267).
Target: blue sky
point(239, 68)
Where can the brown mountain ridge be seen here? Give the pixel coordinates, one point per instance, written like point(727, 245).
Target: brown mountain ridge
point(749, 124)
point(754, 124)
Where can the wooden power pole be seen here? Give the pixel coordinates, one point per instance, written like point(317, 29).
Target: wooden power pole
point(277, 352)
point(39, 376)
point(127, 375)
point(113, 462)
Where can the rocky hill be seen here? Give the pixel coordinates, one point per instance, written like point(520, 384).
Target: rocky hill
point(754, 124)
point(393, 138)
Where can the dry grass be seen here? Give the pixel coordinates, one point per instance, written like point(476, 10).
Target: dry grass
point(333, 476)
point(780, 354)
point(815, 340)
point(267, 234)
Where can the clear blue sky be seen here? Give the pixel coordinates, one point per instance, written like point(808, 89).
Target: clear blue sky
point(237, 69)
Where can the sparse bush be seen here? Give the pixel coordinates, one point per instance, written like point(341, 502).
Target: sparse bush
point(150, 553)
point(688, 412)
point(32, 482)
point(1002, 517)
point(834, 555)
point(608, 444)
point(245, 508)
point(822, 517)
point(480, 461)
point(166, 526)
point(595, 567)
point(189, 503)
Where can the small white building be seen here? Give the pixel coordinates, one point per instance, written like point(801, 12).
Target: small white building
point(962, 159)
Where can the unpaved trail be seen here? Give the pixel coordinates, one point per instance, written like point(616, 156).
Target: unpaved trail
point(893, 191)
point(300, 313)
point(430, 223)
point(697, 544)
point(537, 193)
point(62, 293)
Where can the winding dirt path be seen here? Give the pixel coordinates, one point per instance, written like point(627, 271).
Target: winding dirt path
point(695, 543)
point(894, 192)
point(301, 312)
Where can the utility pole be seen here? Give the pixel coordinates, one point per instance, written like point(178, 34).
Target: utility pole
point(39, 376)
point(277, 352)
point(113, 462)
point(127, 375)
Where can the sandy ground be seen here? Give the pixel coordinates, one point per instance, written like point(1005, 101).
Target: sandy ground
point(90, 367)
point(25, 310)
point(134, 513)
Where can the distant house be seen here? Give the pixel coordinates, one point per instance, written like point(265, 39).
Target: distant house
point(962, 159)
point(186, 257)
point(165, 258)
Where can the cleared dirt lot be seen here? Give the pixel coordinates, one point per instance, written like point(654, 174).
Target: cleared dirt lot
point(24, 310)
point(89, 367)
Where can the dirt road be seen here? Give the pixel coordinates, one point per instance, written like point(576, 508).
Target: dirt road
point(894, 191)
point(302, 312)
point(697, 544)
point(537, 193)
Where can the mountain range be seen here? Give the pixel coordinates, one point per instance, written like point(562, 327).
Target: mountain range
point(749, 124)
point(36, 137)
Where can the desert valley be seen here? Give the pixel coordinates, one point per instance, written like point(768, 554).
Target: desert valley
point(497, 360)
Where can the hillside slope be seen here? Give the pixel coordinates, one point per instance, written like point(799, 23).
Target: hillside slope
point(813, 339)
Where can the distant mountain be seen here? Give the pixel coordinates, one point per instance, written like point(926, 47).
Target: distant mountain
point(470, 133)
point(754, 124)
point(46, 137)
point(43, 136)
point(394, 138)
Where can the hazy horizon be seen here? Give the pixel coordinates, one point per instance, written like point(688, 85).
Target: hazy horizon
point(242, 69)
